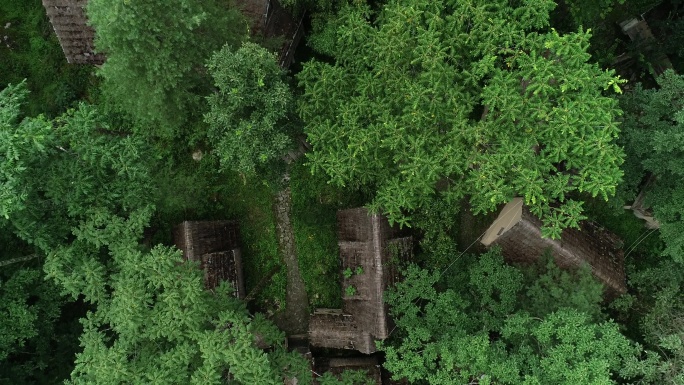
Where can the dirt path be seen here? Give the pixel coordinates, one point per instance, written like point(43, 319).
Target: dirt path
point(295, 319)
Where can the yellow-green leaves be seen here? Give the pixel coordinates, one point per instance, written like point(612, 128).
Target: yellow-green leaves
point(503, 325)
point(520, 110)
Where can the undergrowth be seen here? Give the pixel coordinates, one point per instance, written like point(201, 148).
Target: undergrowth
point(29, 50)
point(314, 205)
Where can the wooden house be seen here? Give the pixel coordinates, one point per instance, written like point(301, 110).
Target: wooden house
point(332, 328)
point(77, 38)
point(518, 233)
point(370, 254)
point(215, 245)
point(267, 18)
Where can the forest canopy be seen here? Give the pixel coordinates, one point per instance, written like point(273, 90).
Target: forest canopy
point(431, 114)
point(481, 96)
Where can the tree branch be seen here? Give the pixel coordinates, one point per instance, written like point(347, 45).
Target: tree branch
point(18, 259)
point(262, 284)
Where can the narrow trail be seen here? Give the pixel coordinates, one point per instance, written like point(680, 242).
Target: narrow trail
point(295, 319)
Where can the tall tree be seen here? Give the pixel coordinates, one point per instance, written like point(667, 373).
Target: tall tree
point(653, 137)
point(78, 190)
point(252, 128)
point(251, 125)
point(55, 173)
point(155, 56)
point(475, 94)
point(38, 337)
point(659, 313)
point(155, 323)
point(488, 324)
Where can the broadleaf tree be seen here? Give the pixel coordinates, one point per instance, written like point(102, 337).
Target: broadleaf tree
point(37, 337)
point(659, 312)
point(82, 198)
point(481, 95)
point(251, 113)
point(482, 324)
point(159, 325)
point(155, 56)
point(55, 173)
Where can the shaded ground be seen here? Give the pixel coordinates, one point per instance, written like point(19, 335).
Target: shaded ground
point(295, 318)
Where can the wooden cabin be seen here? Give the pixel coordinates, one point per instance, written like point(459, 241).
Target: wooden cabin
point(77, 38)
point(518, 233)
point(371, 252)
point(216, 246)
point(336, 366)
point(267, 18)
point(334, 329)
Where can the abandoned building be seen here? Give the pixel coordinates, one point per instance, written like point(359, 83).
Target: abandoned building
point(371, 252)
point(77, 38)
point(215, 245)
point(518, 233)
point(267, 19)
point(336, 366)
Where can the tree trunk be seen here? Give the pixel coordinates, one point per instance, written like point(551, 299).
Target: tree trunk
point(262, 284)
point(18, 259)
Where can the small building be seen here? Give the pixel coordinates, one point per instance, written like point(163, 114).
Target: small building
point(334, 329)
point(371, 252)
point(77, 38)
point(518, 233)
point(267, 18)
point(216, 246)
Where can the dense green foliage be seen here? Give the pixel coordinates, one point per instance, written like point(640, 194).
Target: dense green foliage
point(155, 54)
point(653, 136)
point(52, 172)
point(37, 337)
point(314, 215)
point(249, 119)
point(492, 324)
point(465, 92)
point(659, 311)
point(29, 50)
point(587, 13)
point(416, 106)
point(51, 178)
point(23, 321)
point(163, 327)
